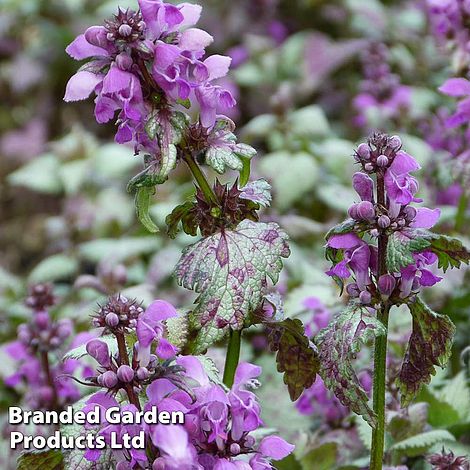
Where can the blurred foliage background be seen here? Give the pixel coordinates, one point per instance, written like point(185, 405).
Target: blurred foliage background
point(298, 67)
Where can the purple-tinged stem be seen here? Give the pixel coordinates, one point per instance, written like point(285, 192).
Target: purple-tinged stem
point(380, 351)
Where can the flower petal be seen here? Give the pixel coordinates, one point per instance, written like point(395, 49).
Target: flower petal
point(426, 218)
point(275, 447)
point(455, 87)
point(81, 85)
point(194, 39)
point(217, 65)
point(344, 240)
point(81, 49)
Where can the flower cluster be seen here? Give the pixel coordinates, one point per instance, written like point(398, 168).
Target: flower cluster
point(449, 22)
point(146, 62)
point(120, 316)
point(218, 423)
point(381, 93)
point(382, 155)
point(38, 341)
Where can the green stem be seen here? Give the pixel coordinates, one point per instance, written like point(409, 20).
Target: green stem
point(378, 395)
point(380, 351)
point(461, 212)
point(201, 179)
point(232, 358)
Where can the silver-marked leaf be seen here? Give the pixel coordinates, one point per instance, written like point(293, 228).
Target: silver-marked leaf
point(338, 344)
point(400, 249)
point(429, 345)
point(221, 158)
point(168, 162)
point(258, 191)
point(229, 270)
point(44, 460)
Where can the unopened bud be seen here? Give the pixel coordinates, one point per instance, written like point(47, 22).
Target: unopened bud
point(365, 297)
point(123, 61)
point(42, 320)
point(353, 290)
point(368, 167)
point(109, 379)
point(409, 213)
point(125, 374)
point(383, 221)
point(234, 449)
point(112, 319)
point(386, 284)
point(363, 151)
point(395, 142)
point(125, 30)
point(365, 210)
point(142, 373)
point(382, 161)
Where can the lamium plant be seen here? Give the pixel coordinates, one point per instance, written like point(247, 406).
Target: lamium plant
point(383, 256)
point(149, 73)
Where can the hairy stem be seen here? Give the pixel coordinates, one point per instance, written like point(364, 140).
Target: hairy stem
point(50, 379)
point(124, 358)
point(461, 212)
point(233, 356)
point(201, 179)
point(380, 351)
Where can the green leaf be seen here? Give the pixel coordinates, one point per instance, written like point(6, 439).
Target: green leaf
point(40, 175)
point(450, 251)
point(185, 103)
point(142, 204)
point(229, 270)
point(400, 249)
point(419, 444)
point(181, 214)
point(347, 226)
point(245, 171)
point(338, 344)
point(440, 413)
point(80, 351)
point(54, 268)
point(119, 249)
point(292, 175)
point(296, 357)
point(309, 122)
point(322, 457)
point(430, 345)
point(48, 460)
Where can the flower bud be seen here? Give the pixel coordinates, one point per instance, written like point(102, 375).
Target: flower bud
point(249, 441)
point(123, 61)
point(386, 284)
point(142, 373)
point(234, 449)
point(365, 210)
point(383, 221)
point(352, 211)
point(125, 374)
point(98, 350)
point(24, 334)
point(363, 151)
point(42, 320)
point(353, 290)
point(394, 142)
point(112, 319)
point(64, 329)
point(365, 297)
point(409, 213)
point(109, 379)
point(363, 185)
point(125, 30)
point(368, 167)
point(382, 161)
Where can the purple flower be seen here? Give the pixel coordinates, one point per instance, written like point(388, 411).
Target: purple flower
point(150, 328)
point(400, 186)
